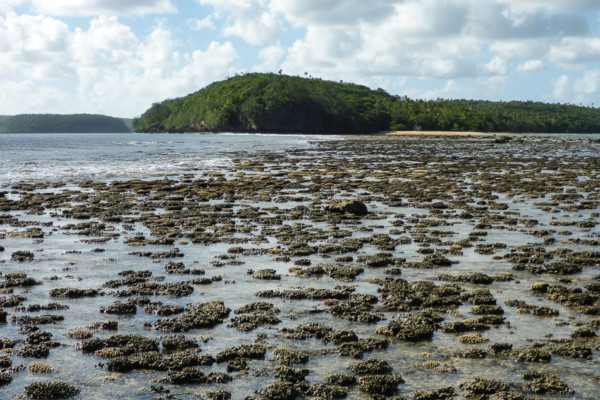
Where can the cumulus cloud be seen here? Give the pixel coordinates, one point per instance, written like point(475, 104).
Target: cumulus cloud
point(562, 87)
point(588, 84)
point(579, 89)
point(32, 47)
point(106, 42)
point(7, 6)
point(114, 70)
point(497, 22)
point(204, 23)
point(271, 58)
point(252, 20)
point(155, 69)
point(328, 12)
point(447, 39)
point(209, 65)
point(530, 66)
point(49, 99)
point(576, 51)
point(453, 45)
point(570, 6)
point(102, 7)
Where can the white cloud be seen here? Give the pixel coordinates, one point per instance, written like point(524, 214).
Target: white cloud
point(102, 7)
point(417, 39)
point(209, 65)
point(588, 84)
point(576, 51)
point(7, 6)
point(114, 71)
point(271, 58)
point(583, 89)
point(569, 6)
point(562, 87)
point(32, 47)
point(328, 12)
point(205, 23)
point(496, 22)
point(526, 48)
point(498, 66)
point(250, 20)
point(154, 71)
point(106, 42)
point(530, 66)
point(422, 38)
point(115, 65)
point(48, 99)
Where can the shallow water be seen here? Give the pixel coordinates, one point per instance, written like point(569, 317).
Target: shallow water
point(76, 157)
point(399, 178)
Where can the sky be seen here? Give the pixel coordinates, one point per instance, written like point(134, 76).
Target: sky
point(117, 57)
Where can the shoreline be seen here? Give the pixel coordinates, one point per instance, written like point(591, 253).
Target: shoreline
point(445, 133)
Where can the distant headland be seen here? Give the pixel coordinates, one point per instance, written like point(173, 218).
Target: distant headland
point(64, 123)
point(289, 104)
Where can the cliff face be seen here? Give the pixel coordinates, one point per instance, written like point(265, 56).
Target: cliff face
point(271, 103)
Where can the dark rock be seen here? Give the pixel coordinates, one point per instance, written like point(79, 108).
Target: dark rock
point(532, 354)
point(341, 379)
point(5, 378)
point(380, 384)
point(50, 390)
point(252, 351)
point(74, 293)
point(545, 384)
point(371, 367)
point(291, 375)
point(321, 391)
point(21, 255)
point(291, 356)
point(37, 320)
point(479, 386)
point(219, 395)
point(185, 376)
point(355, 207)
point(178, 342)
point(279, 390)
point(446, 393)
point(119, 308)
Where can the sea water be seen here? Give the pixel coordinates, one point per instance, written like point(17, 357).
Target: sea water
point(53, 158)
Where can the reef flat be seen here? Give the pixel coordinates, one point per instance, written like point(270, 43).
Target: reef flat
point(430, 267)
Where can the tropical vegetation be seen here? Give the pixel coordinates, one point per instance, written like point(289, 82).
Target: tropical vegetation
point(281, 103)
point(59, 123)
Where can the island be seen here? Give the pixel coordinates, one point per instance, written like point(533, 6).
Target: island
point(266, 103)
point(61, 123)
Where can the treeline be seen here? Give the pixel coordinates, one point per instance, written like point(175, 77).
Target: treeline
point(59, 123)
point(488, 116)
point(281, 103)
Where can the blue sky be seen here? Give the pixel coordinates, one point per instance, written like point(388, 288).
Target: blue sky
point(117, 57)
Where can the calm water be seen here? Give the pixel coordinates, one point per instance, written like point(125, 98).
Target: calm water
point(78, 157)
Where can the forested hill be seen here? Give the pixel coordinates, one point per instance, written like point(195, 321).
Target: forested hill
point(272, 103)
point(281, 103)
point(58, 123)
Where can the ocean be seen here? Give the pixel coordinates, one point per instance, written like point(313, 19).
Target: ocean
point(69, 158)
